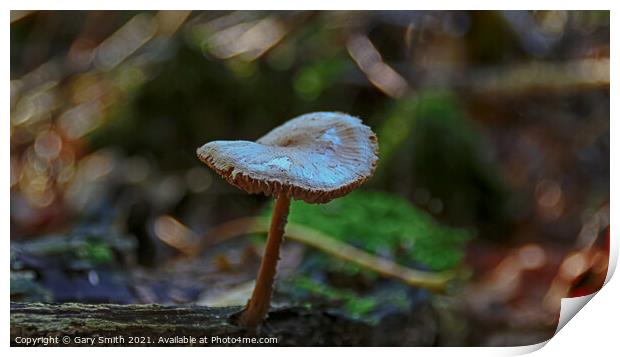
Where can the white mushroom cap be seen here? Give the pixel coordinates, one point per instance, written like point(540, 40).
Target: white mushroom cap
point(315, 157)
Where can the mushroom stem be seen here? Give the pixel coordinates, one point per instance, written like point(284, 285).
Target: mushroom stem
point(258, 305)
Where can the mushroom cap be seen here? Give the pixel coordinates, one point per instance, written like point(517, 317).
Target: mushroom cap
point(314, 157)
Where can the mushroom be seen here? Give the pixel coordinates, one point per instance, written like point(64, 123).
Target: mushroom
point(315, 157)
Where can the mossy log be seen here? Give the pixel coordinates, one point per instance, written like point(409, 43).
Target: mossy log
point(158, 325)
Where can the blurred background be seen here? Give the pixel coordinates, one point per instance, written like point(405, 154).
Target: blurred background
point(493, 129)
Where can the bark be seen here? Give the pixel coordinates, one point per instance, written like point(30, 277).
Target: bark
point(153, 324)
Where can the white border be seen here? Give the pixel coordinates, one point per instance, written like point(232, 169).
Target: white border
point(591, 331)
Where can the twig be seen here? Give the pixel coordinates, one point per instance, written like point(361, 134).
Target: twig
point(385, 267)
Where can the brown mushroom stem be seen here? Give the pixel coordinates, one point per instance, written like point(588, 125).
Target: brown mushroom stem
point(258, 305)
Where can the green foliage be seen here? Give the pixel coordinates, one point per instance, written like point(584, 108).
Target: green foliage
point(431, 134)
point(415, 118)
point(368, 306)
point(95, 251)
point(84, 248)
point(379, 223)
point(385, 225)
point(24, 287)
point(315, 77)
point(353, 304)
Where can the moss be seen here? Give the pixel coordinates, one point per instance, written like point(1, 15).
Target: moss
point(432, 135)
point(24, 287)
point(382, 224)
point(385, 225)
point(354, 305)
point(96, 251)
point(96, 324)
point(359, 307)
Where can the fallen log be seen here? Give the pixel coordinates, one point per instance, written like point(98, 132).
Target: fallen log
point(73, 324)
